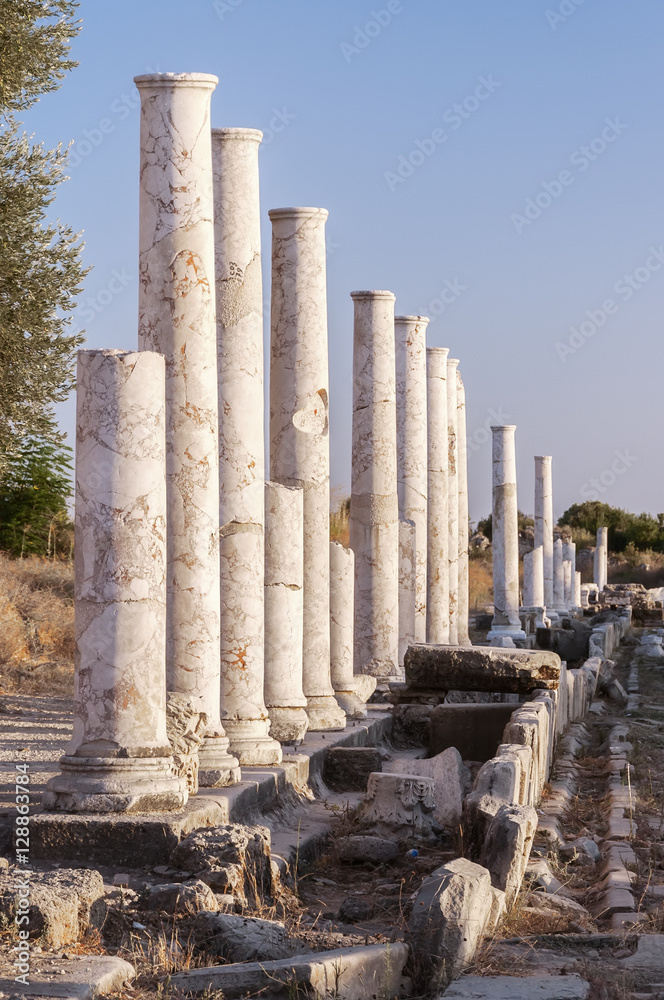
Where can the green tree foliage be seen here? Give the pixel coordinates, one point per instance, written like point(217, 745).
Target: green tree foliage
point(34, 496)
point(642, 531)
point(41, 272)
point(485, 525)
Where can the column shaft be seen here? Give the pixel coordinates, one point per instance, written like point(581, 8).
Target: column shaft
point(407, 586)
point(544, 522)
point(569, 555)
point(463, 638)
point(452, 500)
point(350, 690)
point(505, 530)
point(558, 576)
point(438, 576)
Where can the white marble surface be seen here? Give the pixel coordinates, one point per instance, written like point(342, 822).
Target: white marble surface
point(239, 337)
point(374, 528)
point(601, 558)
point(411, 368)
point(284, 570)
point(351, 691)
point(569, 556)
point(544, 522)
point(558, 576)
point(505, 530)
point(577, 589)
point(299, 428)
point(176, 317)
point(438, 617)
point(452, 500)
point(120, 593)
point(533, 578)
point(407, 586)
point(463, 637)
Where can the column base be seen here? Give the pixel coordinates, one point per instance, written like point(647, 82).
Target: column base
point(288, 725)
point(506, 631)
point(353, 706)
point(324, 713)
point(216, 767)
point(115, 785)
point(251, 743)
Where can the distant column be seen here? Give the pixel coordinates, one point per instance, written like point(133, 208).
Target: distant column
point(374, 515)
point(577, 590)
point(407, 587)
point(176, 317)
point(533, 579)
point(544, 522)
point(569, 555)
point(463, 637)
point(438, 576)
point(453, 500)
point(119, 758)
point(558, 576)
point(351, 690)
point(410, 333)
point(505, 535)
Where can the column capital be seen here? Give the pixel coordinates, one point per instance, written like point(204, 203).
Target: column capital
point(246, 134)
point(204, 81)
point(297, 213)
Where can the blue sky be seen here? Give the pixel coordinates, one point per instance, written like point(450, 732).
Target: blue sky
point(498, 165)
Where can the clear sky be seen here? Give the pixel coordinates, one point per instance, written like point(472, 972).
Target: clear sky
point(497, 165)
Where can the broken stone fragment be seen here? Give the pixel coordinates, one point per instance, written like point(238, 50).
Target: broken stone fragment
point(451, 780)
point(519, 988)
point(507, 847)
point(63, 904)
point(182, 897)
point(375, 849)
point(230, 859)
point(401, 804)
point(347, 769)
point(481, 668)
point(235, 938)
point(186, 724)
point(355, 908)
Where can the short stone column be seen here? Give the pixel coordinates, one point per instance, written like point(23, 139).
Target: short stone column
point(374, 527)
point(299, 429)
point(351, 690)
point(569, 555)
point(601, 558)
point(533, 585)
point(505, 531)
point(407, 586)
point(438, 577)
point(463, 637)
point(558, 577)
point(411, 365)
point(239, 305)
point(284, 568)
point(544, 522)
point(119, 758)
point(577, 589)
point(176, 317)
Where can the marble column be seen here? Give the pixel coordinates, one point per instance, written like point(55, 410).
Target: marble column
point(544, 522)
point(558, 577)
point(505, 532)
point(463, 638)
point(567, 583)
point(603, 534)
point(438, 577)
point(119, 758)
point(577, 589)
point(407, 586)
point(533, 579)
point(239, 306)
point(299, 429)
point(411, 367)
point(284, 571)
point(176, 317)
point(351, 690)
point(374, 520)
point(452, 501)
point(569, 555)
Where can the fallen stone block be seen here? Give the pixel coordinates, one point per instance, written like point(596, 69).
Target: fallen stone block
point(235, 938)
point(506, 849)
point(523, 755)
point(614, 690)
point(648, 958)
point(401, 804)
point(346, 974)
point(449, 918)
point(375, 849)
point(81, 978)
point(347, 769)
point(451, 779)
point(583, 845)
point(63, 904)
point(475, 730)
point(480, 668)
point(518, 988)
point(354, 908)
point(182, 897)
point(231, 859)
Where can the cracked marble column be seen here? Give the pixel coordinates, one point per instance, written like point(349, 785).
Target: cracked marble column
point(239, 309)
point(411, 367)
point(506, 621)
point(119, 758)
point(176, 317)
point(558, 577)
point(601, 558)
point(544, 522)
point(452, 500)
point(374, 514)
point(533, 585)
point(577, 589)
point(463, 637)
point(299, 429)
point(407, 586)
point(352, 691)
point(438, 586)
point(569, 555)
point(284, 569)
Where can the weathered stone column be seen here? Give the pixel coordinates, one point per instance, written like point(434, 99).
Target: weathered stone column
point(569, 555)
point(374, 527)
point(350, 690)
point(284, 569)
point(407, 586)
point(438, 576)
point(505, 531)
point(544, 522)
point(119, 758)
point(176, 317)
point(558, 576)
point(601, 558)
point(567, 583)
point(577, 589)
point(533, 580)
point(463, 638)
point(239, 302)
point(299, 429)
point(411, 366)
point(452, 501)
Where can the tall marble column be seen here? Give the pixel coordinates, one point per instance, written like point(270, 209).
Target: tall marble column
point(374, 516)
point(567, 584)
point(239, 304)
point(505, 530)
point(544, 522)
point(558, 577)
point(176, 317)
point(533, 579)
point(577, 589)
point(299, 429)
point(603, 545)
point(411, 367)
point(119, 758)
point(351, 690)
point(569, 555)
point(284, 571)
point(463, 637)
point(407, 586)
point(452, 501)
point(438, 576)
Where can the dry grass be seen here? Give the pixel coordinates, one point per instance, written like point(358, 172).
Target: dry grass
point(339, 522)
point(36, 626)
point(480, 581)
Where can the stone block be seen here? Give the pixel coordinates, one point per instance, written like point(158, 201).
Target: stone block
point(524, 756)
point(506, 849)
point(80, 978)
point(402, 805)
point(182, 897)
point(63, 904)
point(480, 668)
point(230, 859)
point(375, 849)
point(235, 938)
point(347, 769)
point(451, 780)
point(475, 730)
point(518, 988)
point(648, 960)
